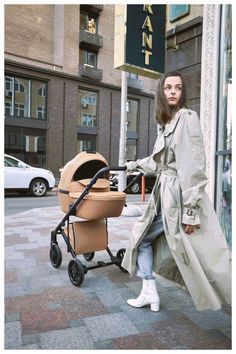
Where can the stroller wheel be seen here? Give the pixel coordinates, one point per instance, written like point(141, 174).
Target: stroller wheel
point(76, 272)
point(88, 256)
point(55, 255)
point(120, 254)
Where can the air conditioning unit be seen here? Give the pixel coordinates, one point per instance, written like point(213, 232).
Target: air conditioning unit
point(85, 105)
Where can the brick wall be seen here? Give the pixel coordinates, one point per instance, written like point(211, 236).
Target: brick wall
point(29, 31)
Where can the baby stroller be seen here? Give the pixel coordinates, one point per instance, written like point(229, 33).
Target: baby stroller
point(84, 193)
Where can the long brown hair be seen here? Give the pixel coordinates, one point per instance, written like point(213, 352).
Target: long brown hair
point(163, 112)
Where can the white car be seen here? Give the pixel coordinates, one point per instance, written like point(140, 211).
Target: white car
point(21, 177)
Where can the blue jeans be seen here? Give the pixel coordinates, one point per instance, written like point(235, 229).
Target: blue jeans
point(144, 262)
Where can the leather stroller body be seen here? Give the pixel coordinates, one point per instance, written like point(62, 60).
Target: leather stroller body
point(84, 195)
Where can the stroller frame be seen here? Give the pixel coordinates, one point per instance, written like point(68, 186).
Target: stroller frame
point(76, 269)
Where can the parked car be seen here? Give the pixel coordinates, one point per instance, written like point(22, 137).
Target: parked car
point(21, 177)
point(137, 186)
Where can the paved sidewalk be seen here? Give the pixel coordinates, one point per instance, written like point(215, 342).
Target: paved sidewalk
point(43, 310)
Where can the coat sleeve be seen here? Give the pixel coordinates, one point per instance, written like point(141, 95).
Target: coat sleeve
point(146, 165)
point(190, 164)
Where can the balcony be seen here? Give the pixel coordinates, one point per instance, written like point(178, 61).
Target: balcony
point(92, 39)
point(135, 83)
point(92, 8)
point(91, 72)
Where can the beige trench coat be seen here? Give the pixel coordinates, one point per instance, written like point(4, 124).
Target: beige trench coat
point(201, 260)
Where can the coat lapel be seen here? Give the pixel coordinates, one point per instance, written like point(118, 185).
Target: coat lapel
point(160, 143)
point(169, 128)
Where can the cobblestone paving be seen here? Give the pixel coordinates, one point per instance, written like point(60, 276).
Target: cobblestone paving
point(43, 310)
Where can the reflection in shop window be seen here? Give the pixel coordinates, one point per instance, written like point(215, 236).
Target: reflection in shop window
point(86, 143)
point(132, 115)
point(89, 120)
point(8, 108)
point(40, 112)
point(19, 110)
point(132, 109)
point(87, 108)
point(131, 150)
point(42, 91)
point(224, 138)
point(23, 96)
point(226, 199)
point(19, 87)
point(28, 148)
point(38, 99)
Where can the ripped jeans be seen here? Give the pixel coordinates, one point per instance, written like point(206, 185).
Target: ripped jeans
point(144, 262)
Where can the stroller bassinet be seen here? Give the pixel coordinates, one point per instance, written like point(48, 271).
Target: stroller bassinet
point(84, 192)
point(100, 202)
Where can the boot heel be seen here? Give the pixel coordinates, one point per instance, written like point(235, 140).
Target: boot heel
point(155, 306)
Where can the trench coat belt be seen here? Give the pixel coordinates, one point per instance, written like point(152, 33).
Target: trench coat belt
point(168, 172)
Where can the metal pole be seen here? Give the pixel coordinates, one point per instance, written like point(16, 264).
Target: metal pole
point(123, 127)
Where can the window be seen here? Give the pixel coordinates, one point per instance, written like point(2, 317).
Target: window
point(87, 101)
point(24, 96)
point(40, 112)
point(9, 162)
point(90, 99)
point(19, 87)
point(38, 97)
point(8, 84)
point(224, 138)
point(8, 108)
point(132, 115)
point(132, 76)
point(178, 11)
point(90, 58)
point(42, 91)
point(88, 22)
point(132, 108)
point(131, 150)
point(89, 120)
point(86, 143)
point(19, 110)
point(26, 145)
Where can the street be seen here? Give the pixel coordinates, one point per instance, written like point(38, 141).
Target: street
point(15, 203)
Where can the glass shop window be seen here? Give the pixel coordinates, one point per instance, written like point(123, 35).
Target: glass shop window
point(87, 112)
point(224, 138)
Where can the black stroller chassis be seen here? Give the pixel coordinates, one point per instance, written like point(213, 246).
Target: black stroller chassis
point(76, 269)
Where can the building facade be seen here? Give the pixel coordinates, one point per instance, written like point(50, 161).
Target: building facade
point(63, 95)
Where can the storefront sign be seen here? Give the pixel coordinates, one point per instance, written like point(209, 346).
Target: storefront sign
point(140, 39)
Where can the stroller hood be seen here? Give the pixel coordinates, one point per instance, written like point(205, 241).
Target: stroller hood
point(82, 166)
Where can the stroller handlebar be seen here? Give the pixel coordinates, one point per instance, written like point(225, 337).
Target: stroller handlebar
point(104, 170)
point(118, 168)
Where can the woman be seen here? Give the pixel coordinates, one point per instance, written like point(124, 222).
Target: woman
point(179, 236)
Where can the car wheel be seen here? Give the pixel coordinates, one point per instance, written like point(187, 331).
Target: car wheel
point(38, 187)
point(136, 188)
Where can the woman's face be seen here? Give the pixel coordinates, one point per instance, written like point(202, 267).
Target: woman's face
point(173, 89)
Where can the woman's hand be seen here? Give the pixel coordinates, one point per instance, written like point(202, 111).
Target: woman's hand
point(188, 229)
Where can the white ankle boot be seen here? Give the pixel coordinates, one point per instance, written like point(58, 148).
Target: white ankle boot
point(148, 296)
